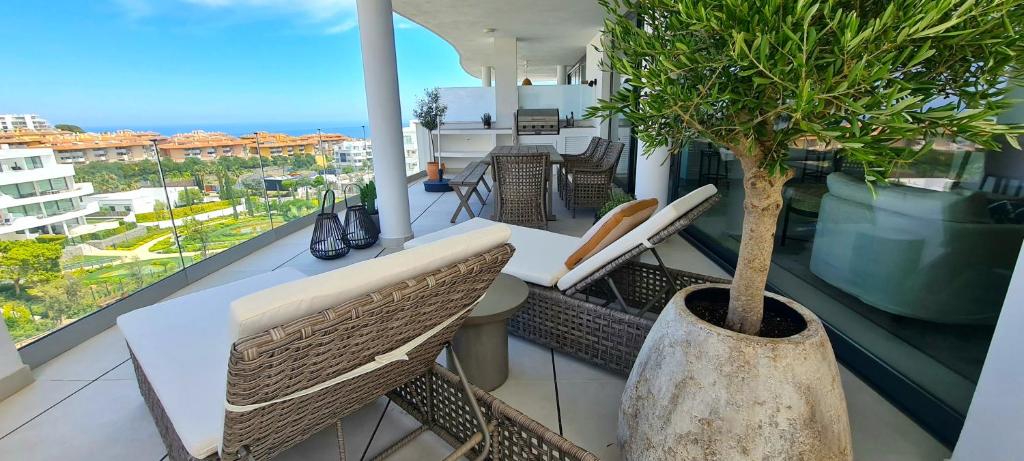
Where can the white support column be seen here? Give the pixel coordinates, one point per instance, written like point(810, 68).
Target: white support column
point(995, 418)
point(652, 174)
point(380, 72)
point(485, 75)
point(560, 73)
point(506, 73)
point(14, 375)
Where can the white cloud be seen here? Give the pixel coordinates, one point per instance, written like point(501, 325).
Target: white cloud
point(344, 26)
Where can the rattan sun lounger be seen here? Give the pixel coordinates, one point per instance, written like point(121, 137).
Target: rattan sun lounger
point(602, 310)
point(243, 371)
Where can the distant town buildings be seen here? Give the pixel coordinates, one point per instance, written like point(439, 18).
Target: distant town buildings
point(277, 144)
point(122, 146)
point(23, 122)
point(203, 146)
point(38, 195)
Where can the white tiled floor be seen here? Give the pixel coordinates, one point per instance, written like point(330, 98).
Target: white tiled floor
point(85, 403)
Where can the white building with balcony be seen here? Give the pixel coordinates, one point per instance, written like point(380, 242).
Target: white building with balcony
point(38, 195)
point(410, 147)
point(355, 153)
point(23, 122)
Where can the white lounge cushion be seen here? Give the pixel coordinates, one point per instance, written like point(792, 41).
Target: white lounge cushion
point(539, 258)
point(263, 310)
point(637, 236)
point(183, 346)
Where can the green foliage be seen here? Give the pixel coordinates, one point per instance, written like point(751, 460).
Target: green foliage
point(118, 177)
point(617, 198)
point(190, 196)
point(430, 110)
point(58, 239)
point(183, 212)
point(758, 75)
point(107, 233)
point(69, 127)
point(28, 262)
point(60, 297)
point(368, 196)
point(151, 234)
point(486, 118)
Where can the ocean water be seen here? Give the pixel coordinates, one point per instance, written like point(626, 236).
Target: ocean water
point(351, 129)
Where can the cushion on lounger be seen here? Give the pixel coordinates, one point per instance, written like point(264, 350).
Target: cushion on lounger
point(275, 306)
point(637, 236)
point(183, 346)
point(610, 227)
point(539, 258)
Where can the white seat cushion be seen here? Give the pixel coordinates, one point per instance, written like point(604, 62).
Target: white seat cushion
point(637, 236)
point(183, 346)
point(540, 255)
point(266, 309)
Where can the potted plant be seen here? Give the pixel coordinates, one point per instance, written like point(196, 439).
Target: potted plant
point(617, 198)
point(486, 119)
point(368, 197)
point(430, 112)
point(731, 371)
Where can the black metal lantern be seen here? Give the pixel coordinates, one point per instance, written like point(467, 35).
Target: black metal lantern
point(360, 230)
point(328, 240)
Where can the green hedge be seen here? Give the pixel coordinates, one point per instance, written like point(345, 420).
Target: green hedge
point(53, 238)
point(107, 233)
point(183, 212)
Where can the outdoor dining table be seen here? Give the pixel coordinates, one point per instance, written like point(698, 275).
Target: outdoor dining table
point(555, 159)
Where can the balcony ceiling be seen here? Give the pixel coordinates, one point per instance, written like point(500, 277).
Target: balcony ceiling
point(550, 32)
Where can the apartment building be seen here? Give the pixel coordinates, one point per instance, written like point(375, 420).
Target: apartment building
point(355, 153)
point(23, 122)
point(121, 146)
point(411, 149)
point(203, 146)
point(38, 195)
point(277, 144)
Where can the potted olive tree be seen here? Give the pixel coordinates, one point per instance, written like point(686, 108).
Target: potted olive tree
point(430, 112)
point(730, 371)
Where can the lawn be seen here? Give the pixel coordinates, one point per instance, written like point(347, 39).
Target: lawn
point(79, 262)
point(224, 233)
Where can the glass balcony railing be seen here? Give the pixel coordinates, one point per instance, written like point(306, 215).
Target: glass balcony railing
point(144, 220)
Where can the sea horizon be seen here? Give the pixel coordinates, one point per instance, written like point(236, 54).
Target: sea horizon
point(351, 129)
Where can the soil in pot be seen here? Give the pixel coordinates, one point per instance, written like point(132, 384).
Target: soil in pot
point(712, 305)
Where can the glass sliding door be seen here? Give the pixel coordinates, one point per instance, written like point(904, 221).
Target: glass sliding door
point(913, 274)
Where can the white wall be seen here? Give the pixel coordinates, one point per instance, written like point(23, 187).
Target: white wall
point(467, 104)
point(567, 99)
point(14, 375)
point(995, 420)
point(593, 71)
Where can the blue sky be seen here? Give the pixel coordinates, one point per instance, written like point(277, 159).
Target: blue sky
point(172, 62)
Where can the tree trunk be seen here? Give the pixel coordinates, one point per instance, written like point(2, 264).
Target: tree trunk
point(761, 205)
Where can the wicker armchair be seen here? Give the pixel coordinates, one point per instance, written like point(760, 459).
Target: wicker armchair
point(590, 186)
point(521, 185)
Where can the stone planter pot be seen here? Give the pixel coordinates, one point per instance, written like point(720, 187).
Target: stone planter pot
point(701, 392)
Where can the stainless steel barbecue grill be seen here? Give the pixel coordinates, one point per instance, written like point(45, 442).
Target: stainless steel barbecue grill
point(537, 121)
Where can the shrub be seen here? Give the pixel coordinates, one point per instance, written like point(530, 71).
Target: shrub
point(618, 198)
point(53, 238)
point(183, 212)
point(107, 233)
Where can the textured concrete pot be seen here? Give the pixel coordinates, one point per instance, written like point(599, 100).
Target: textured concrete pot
point(701, 392)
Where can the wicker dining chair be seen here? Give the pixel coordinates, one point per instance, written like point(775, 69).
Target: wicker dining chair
point(521, 188)
point(591, 156)
point(590, 186)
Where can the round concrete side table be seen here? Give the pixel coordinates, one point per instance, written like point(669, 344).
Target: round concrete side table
point(482, 342)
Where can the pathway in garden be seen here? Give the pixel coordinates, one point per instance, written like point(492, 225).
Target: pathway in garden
point(141, 253)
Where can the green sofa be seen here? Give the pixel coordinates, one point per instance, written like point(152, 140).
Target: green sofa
point(913, 252)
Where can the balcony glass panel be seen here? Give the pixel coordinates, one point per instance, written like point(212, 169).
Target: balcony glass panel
point(914, 273)
point(149, 218)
